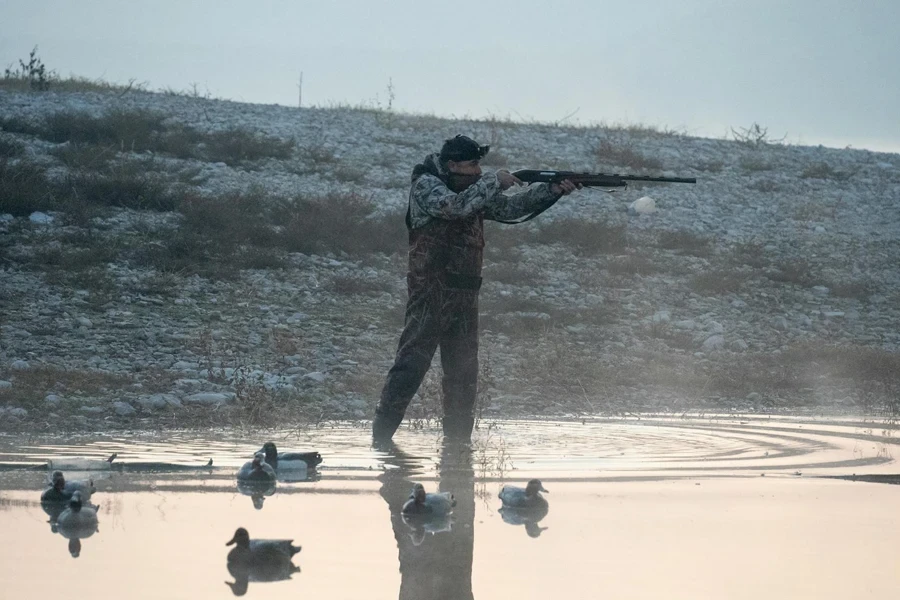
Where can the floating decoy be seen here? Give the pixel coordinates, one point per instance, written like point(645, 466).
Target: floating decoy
point(61, 491)
point(289, 460)
point(255, 552)
point(422, 503)
point(527, 497)
point(259, 560)
point(256, 470)
point(77, 522)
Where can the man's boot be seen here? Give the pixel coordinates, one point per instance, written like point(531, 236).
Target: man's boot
point(384, 426)
point(458, 427)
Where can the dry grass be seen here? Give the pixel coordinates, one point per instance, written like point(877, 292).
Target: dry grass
point(629, 265)
point(686, 242)
point(718, 283)
point(622, 155)
point(583, 237)
point(796, 271)
point(31, 386)
point(351, 285)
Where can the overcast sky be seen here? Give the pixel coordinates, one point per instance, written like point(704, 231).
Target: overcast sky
point(817, 71)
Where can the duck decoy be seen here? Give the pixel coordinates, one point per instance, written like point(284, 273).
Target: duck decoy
point(289, 460)
point(257, 470)
point(258, 552)
point(77, 522)
point(422, 503)
point(527, 497)
point(60, 490)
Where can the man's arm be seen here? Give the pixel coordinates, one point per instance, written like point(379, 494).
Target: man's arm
point(516, 206)
point(431, 199)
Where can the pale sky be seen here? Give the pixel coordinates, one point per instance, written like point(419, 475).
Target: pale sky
point(817, 71)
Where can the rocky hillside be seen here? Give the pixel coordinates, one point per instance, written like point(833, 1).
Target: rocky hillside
point(169, 260)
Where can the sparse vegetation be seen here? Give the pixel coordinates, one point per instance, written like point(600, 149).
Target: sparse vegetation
point(719, 282)
point(584, 237)
point(686, 242)
point(621, 155)
point(796, 271)
point(755, 136)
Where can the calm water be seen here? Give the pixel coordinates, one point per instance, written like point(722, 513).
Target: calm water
point(720, 508)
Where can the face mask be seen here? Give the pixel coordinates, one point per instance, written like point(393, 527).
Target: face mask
point(459, 183)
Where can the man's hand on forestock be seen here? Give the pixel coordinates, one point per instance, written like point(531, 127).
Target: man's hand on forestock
point(507, 179)
point(564, 187)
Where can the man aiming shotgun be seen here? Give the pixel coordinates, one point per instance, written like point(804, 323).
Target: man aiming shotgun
point(449, 200)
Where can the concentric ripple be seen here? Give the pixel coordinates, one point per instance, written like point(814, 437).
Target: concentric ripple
point(633, 448)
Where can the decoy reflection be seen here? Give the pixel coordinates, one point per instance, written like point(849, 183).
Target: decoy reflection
point(435, 547)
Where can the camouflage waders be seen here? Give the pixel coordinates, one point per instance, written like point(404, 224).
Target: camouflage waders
point(442, 311)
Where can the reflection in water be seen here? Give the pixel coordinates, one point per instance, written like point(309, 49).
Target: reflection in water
point(257, 490)
point(259, 560)
point(435, 551)
point(529, 517)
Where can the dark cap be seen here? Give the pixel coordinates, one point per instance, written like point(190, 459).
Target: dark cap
point(462, 148)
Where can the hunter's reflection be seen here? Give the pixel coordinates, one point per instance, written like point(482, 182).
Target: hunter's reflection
point(435, 551)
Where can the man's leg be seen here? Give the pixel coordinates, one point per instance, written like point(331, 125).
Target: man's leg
point(419, 340)
point(459, 359)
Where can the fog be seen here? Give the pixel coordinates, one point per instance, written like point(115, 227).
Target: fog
point(816, 72)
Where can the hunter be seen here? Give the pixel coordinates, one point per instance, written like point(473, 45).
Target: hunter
point(449, 200)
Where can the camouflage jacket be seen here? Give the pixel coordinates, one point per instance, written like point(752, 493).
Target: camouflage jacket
point(446, 229)
point(430, 198)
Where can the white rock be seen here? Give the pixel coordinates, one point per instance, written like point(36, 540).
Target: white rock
point(52, 399)
point(84, 322)
point(739, 345)
point(687, 324)
point(19, 365)
point(316, 376)
point(123, 409)
point(40, 218)
point(662, 316)
point(715, 327)
point(713, 342)
point(643, 206)
point(17, 412)
point(5, 385)
point(210, 398)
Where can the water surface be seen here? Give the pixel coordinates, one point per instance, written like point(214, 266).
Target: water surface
point(649, 508)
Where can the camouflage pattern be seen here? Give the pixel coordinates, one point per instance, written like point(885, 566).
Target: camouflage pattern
point(431, 199)
point(445, 257)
